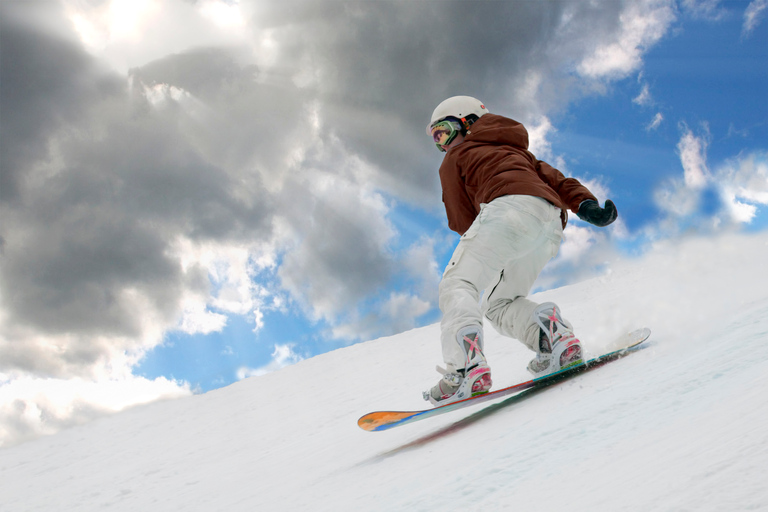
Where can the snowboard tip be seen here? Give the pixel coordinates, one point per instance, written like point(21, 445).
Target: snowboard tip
point(376, 420)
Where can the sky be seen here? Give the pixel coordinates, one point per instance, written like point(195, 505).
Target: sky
point(195, 192)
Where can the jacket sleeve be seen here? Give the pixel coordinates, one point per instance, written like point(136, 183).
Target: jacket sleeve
point(570, 190)
point(458, 206)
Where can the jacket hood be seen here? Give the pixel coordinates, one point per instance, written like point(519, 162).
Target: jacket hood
point(496, 129)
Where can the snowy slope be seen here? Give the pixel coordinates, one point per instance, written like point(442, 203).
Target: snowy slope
point(680, 425)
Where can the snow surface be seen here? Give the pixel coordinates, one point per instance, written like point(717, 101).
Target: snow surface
point(681, 425)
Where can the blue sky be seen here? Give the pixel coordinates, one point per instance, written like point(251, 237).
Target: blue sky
point(197, 192)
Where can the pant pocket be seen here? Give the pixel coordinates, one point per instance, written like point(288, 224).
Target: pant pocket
point(454, 258)
point(468, 235)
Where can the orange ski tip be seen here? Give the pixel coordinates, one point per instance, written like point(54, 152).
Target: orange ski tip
point(374, 420)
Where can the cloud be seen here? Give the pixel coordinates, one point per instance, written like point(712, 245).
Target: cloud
point(578, 241)
point(231, 286)
point(644, 98)
point(744, 185)
point(283, 355)
point(641, 26)
point(396, 313)
point(31, 407)
point(129, 33)
point(340, 251)
point(656, 122)
point(693, 156)
point(705, 9)
point(538, 144)
point(419, 261)
point(753, 16)
point(196, 319)
point(731, 194)
point(685, 199)
point(97, 186)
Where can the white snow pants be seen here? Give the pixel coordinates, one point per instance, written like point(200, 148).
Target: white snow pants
point(502, 252)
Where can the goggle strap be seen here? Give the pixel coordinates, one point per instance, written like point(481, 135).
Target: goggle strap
point(468, 121)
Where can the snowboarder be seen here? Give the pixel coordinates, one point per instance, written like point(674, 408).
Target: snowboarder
point(509, 209)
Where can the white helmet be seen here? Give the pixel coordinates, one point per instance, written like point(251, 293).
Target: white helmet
point(460, 107)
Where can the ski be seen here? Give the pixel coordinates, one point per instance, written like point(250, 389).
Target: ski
point(384, 420)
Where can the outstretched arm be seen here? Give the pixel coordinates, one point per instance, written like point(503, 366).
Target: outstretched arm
point(570, 190)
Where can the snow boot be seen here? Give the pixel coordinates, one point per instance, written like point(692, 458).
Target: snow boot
point(558, 346)
point(471, 380)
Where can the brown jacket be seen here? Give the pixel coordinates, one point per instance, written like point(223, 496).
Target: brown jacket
point(494, 161)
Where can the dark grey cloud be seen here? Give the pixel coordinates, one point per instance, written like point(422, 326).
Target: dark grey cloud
point(339, 259)
point(342, 257)
point(46, 82)
point(381, 67)
point(207, 73)
point(97, 186)
point(243, 122)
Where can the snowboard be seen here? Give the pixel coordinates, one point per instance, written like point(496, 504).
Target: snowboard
point(384, 420)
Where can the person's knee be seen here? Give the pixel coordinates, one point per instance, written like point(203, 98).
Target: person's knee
point(454, 290)
point(495, 312)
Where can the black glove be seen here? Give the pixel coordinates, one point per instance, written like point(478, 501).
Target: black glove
point(590, 211)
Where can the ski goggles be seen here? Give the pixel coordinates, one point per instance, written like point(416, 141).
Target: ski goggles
point(443, 132)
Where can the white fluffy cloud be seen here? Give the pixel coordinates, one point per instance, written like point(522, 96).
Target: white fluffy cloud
point(283, 355)
point(744, 185)
point(31, 407)
point(693, 156)
point(642, 24)
point(538, 142)
point(739, 185)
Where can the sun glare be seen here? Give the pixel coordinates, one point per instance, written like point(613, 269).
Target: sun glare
point(128, 17)
point(115, 21)
point(223, 14)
